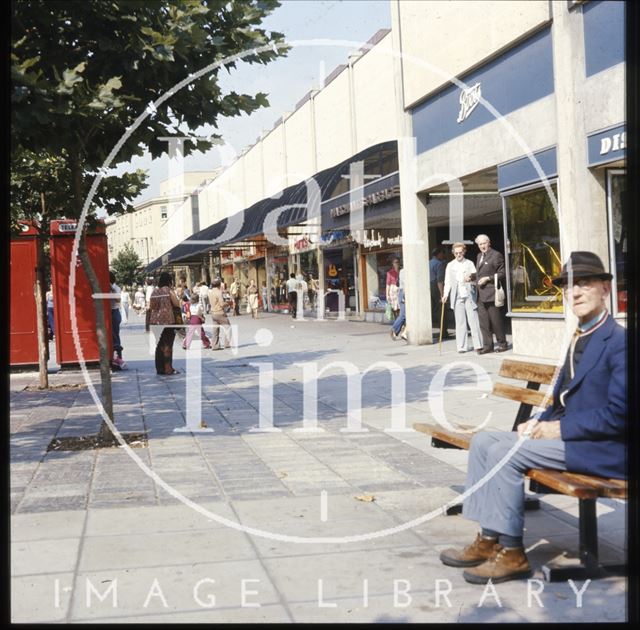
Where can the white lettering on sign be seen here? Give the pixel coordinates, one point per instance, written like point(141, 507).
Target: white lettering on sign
point(469, 99)
point(369, 200)
point(67, 227)
point(616, 142)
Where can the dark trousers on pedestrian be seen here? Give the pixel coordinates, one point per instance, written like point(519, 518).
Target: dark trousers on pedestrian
point(164, 351)
point(236, 305)
point(293, 303)
point(147, 320)
point(116, 320)
point(50, 322)
point(491, 321)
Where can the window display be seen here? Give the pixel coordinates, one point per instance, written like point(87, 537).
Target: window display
point(616, 198)
point(533, 249)
point(377, 266)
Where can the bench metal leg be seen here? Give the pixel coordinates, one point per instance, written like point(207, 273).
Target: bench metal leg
point(589, 566)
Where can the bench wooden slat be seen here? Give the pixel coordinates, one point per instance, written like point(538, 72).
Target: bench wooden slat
point(562, 482)
point(579, 485)
point(521, 394)
point(461, 440)
point(532, 372)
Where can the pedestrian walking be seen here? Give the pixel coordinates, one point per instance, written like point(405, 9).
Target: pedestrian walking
point(292, 294)
point(219, 316)
point(50, 320)
point(116, 319)
point(139, 305)
point(437, 266)
point(252, 299)
point(204, 296)
point(196, 319)
point(124, 305)
point(265, 301)
point(147, 302)
point(392, 282)
point(458, 283)
point(234, 290)
point(490, 269)
point(163, 300)
point(400, 321)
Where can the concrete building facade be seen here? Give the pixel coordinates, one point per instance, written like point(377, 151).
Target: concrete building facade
point(505, 118)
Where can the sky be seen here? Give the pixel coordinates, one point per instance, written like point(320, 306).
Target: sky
point(285, 80)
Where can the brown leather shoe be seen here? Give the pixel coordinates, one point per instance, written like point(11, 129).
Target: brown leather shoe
point(507, 564)
point(480, 550)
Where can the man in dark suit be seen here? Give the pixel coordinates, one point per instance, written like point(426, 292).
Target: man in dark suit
point(583, 431)
point(488, 264)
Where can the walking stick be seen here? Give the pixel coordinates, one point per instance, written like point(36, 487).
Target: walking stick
point(441, 327)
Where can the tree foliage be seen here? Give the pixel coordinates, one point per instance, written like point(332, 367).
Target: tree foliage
point(83, 72)
point(127, 267)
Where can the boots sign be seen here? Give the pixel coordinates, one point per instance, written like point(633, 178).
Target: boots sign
point(469, 100)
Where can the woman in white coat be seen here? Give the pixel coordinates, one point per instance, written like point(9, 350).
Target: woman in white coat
point(464, 295)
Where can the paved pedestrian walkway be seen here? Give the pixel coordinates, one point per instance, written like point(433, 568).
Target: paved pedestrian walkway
point(211, 527)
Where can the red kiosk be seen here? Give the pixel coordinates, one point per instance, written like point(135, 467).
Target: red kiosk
point(23, 344)
point(62, 237)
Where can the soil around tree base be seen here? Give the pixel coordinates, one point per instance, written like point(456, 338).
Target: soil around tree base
point(92, 442)
point(62, 387)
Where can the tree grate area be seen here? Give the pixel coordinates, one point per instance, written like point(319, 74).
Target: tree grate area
point(91, 442)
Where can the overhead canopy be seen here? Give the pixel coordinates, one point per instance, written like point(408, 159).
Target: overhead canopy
point(266, 217)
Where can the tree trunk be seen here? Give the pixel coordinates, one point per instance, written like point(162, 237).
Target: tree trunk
point(101, 329)
point(101, 333)
point(40, 314)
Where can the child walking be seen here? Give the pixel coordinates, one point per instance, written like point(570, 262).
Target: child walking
point(196, 319)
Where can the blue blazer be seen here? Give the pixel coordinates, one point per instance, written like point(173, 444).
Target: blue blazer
point(593, 425)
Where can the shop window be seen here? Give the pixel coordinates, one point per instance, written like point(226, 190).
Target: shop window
point(377, 265)
point(616, 199)
point(533, 252)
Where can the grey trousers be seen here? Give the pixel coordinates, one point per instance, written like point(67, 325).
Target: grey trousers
point(220, 321)
point(464, 312)
point(499, 503)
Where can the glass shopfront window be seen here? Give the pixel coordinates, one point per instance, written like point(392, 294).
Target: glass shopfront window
point(377, 265)
point(616, 200)
point(278, 270)
point(340, 275)
point(533, 251)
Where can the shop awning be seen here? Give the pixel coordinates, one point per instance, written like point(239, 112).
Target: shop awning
point(288, 208)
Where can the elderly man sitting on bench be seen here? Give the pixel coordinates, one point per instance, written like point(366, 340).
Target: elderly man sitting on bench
point(583, 431)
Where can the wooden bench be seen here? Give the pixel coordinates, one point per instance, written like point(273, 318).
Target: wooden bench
point(586, 488)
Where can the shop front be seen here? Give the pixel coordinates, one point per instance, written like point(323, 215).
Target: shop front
point(277, 273)
point(361, 237)
point(379, 248)
point(607, 162)
point(339, 252)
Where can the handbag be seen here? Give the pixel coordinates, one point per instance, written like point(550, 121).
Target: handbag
point(388, 313)
point(499, 293)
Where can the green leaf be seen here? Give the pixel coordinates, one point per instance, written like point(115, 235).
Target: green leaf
point(70, 77)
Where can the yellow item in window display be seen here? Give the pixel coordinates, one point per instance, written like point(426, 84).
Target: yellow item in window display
point(550, 296)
